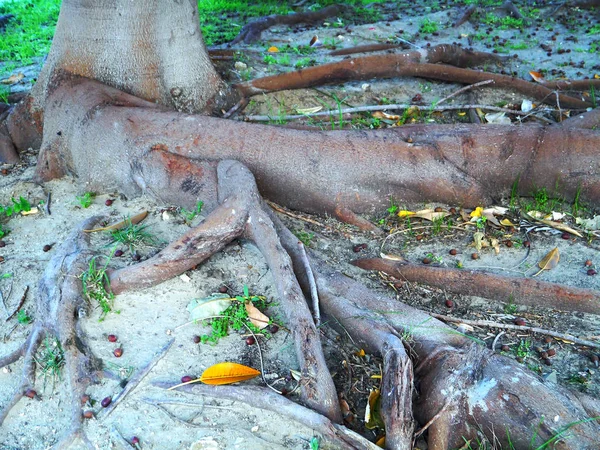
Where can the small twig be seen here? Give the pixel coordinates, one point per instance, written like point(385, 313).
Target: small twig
point(433, 419)
point(47, 205)
point(358, 109)
point(237, 107)
point(466, 88)
point(279, 209)
point(498, 336)
point(135, 381)
point(489, 323)
point(314, 295)
point(21, 302)
point(118, 439)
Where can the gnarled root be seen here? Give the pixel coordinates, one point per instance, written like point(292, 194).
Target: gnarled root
point(59, 304)
point(242, 213)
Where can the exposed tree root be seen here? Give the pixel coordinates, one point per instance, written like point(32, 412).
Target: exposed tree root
point(251, 32)
point(330, 433)
point(59, 304)
point(242, 213)
point(415, 63)
point(526, 291)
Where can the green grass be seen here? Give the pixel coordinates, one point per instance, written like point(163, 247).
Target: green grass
point(86, 200)
point(96, 287)
point(191, 215)
point(428, 26)
point(133, 235)
point(51, 359)
point(23, 318)
point(30, 33)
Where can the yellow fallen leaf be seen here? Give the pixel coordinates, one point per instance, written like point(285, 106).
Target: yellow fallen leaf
point(405, 213)
point(550, 261)
point(227, 373)
point(273, 50)
point(507, 223)
point(462, 113)
point(361, 353)
point(430, 214)
point(596, 76)
point(122, 224)
point(477, 212)
point(561, 227)
point(384, 115)
point(13, 79)
point(372, 413)
point(33, 210)
point(257, 318)
point(380, 442)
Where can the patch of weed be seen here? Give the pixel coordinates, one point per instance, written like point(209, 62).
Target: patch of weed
point(86, 200)
point(510, 307)
point(235, 317)
point(305, 237)
point(51, 359)
point(523, 350)
point(428, 26)
point(17, 207)
point(23, 318)
point(96, 287)
point(133, 235)
point(191, 215)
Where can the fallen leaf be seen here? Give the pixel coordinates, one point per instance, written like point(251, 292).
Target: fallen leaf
point(380, 442)
point(477, 212)
point(489, 215)
point(257, 318)
point(309, 110)
point(589, 224)
point(372, 411)
point(462, 113)
point(273, 50)
point(430, 214)
point(33, 210)
point(405, 213)
point(561, 227)
point(392, 257)
point(507, 223)
point(596, 76)
point(384, 115)
point(537, 76)
point(296, 375)
point(185, 278)
point(550, 261)
point(479, 240)
point(526, 105)
point(360, 353)
point(213, 305)
point(227, 373)
point(499, 118)
point(117, 226)
point(496, 245)
point(464, 328)
point(13, 79)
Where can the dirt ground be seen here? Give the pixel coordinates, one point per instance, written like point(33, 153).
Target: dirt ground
point(148, 319)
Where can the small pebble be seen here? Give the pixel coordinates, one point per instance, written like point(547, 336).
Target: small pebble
point(250, 340)
point(197, 339)
point(520, 321)
point(106, 401)
point(453, 252)
point(119, 253)
point(186, 379)
point(118, 352)
point(88, 414)
point(112, 338)
point(426, 261)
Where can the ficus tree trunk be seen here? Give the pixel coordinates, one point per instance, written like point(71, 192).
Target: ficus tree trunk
point(118, 92)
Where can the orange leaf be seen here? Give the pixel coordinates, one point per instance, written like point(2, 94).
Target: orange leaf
point(550, 261)
point(273, 50)
point(227, 373)
point(537, 76)
point(257, 318)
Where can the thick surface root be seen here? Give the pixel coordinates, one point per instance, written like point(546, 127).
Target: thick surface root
point(59, 303)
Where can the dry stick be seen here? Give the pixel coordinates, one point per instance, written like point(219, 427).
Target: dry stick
point(314, 295)
point(498, 336)
point(383, 108)
point(466, 88)
point(466, 15)
point(433, 419)
point(135, 381)
point(489, 323)
point(21, 302)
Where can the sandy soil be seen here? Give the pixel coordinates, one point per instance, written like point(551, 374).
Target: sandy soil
point(148, 319)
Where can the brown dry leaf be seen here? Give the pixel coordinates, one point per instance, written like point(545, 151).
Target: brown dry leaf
point(384, 115)
point(122, 224)
point(550, 261)
point(380, 442)
point(13, 79)
point(430, 214)
point(314, 41)
point(257, 318)
point(227, 373)
point(537, 76)
point(495, 244)
point(561, 227)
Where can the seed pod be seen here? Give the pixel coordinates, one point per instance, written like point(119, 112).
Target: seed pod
point(186, 378)
point(118, 352)
point(87, 414)
point(106, 401)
